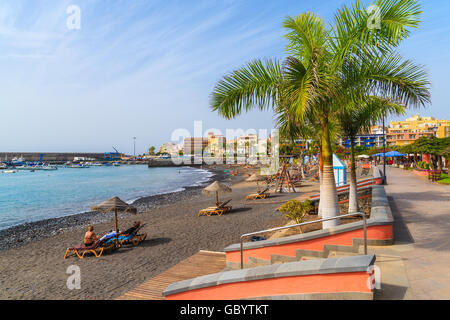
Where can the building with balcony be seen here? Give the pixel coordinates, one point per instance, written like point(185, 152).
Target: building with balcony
point(369, 140)
point(247, 145)
point(406, 132)
point(171, 148)
point(194, 146)
point(216, 144)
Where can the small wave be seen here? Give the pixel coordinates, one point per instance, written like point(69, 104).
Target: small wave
point(155, 194)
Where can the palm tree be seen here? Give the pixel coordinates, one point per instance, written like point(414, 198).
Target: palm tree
point(359, 119)
point(309, 81)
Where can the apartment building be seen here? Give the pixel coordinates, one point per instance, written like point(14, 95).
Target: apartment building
point(216, 144)
point(406, 132)
point(170, 148)
point(193, 146)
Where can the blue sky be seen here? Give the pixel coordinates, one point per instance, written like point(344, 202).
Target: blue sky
point(145, 67)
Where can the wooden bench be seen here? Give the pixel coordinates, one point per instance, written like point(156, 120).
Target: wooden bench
point(434, 175)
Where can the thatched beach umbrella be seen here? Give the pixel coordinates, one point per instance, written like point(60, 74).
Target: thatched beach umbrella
point(114, 205)
point(216, 187)
point(256, 177)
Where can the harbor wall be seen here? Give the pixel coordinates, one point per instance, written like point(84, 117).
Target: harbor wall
point(169, 163)
point(49, 156)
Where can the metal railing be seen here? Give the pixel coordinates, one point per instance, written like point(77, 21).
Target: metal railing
point(305, 223)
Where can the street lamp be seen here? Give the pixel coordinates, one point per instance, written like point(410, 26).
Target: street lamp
point(134, 147)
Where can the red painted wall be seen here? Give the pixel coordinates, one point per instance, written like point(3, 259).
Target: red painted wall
point(319, 283)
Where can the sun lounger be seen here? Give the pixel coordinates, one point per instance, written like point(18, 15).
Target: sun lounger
point(261, 195)
point(133, 238)
point(219, 210)
point(97, 248)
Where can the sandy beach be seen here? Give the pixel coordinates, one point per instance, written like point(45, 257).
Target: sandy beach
point(34, 268)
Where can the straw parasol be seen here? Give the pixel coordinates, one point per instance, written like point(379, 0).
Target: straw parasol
point(256, 177)
point(216, 187)
point(116, 205)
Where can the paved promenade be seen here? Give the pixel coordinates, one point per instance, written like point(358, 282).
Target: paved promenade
point(422, 233)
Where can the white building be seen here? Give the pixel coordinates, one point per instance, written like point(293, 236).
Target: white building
point(247, 145)
point(171, 148)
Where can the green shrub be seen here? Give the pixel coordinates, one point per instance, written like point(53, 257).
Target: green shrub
point(296, 210)
point(423, 165)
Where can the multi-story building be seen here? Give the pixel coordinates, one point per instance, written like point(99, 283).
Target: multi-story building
point(194, 146)
point(378, 130)
point(171, 148)
point(369, 140)
point(247, 145)
point(406, 132)
point(216, 144)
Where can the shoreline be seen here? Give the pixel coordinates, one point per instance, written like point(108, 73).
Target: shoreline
point(174, 230)
point(19, 235)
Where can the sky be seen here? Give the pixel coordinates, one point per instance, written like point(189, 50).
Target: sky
point(144, 68)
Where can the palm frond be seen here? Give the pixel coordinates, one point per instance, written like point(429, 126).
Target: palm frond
point(255, 85)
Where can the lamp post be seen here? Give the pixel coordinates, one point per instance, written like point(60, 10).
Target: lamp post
point(134, 148)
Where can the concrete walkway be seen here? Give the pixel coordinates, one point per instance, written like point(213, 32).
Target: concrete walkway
point(422, 234)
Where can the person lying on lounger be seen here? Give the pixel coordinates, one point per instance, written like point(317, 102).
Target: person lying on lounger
point(109, 235)
point(129, 231)
point(90, 237)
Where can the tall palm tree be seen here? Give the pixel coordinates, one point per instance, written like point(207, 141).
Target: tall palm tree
point(359, 119)
point(309, 82)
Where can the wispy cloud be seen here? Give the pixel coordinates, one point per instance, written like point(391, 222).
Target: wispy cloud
point(145, 67)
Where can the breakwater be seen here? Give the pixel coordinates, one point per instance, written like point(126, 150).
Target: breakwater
point(49, 157)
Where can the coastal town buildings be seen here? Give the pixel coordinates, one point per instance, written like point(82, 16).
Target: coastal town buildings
point(369, 140)
point(406, 132)
point(171, 148)
point(216, 144)
point(247, 145)
point(194, 145)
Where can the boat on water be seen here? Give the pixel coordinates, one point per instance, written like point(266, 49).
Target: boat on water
point(46, 168)
point(78, 166)
point(18, 161)
point(9, 171)
point(116, 164)
point(97, 164)
point(36, 166)
point(25, 167)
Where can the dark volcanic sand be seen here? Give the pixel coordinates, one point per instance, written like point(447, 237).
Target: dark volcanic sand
point(37, 270)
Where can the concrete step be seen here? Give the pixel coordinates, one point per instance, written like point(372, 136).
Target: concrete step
point(257, 262)
point(279, 258)
point(301, 255)
point(341, 254)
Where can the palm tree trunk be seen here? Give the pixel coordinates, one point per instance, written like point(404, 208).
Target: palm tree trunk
point(320, 180)
point(353, 193)
point(330, 206)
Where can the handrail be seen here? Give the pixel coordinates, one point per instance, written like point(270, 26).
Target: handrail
point(305, 223)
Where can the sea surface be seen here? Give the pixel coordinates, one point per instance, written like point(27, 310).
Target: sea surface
point(32, 196)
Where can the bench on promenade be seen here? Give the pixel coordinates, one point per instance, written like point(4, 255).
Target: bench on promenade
point(434, 175)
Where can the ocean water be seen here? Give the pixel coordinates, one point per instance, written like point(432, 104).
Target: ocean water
point(32, 196)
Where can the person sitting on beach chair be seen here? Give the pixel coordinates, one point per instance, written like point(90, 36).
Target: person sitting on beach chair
point(97, 248)
point(130, 235)
point(90, 237)
point(219, 210)
point(258, 195)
